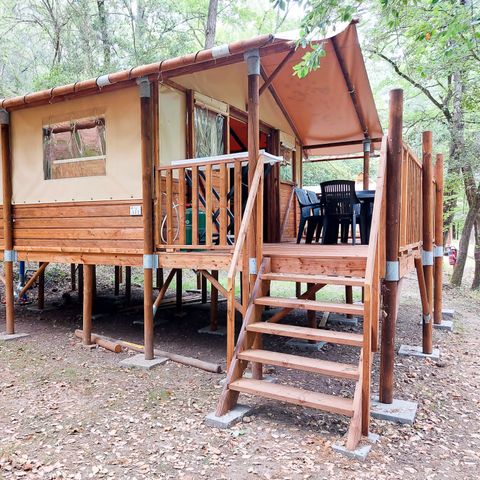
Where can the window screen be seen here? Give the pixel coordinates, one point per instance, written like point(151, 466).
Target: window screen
point(209, 132)
point(75, 148)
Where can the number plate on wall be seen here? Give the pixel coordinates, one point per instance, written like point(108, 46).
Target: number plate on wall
point(135, 210)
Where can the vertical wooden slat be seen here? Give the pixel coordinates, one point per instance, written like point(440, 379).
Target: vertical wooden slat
point(237, 196)
point(223, 204)
point(182, 200)
point(169, 206)
point(195, 205)
point(208, 205)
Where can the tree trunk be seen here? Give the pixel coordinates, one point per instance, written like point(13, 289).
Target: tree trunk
point(472, 215)
point(476, 255)
point(211, 26)
point(102, 19)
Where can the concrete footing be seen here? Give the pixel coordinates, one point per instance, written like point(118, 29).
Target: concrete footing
point(337, 319)
point(305, 345)
point(446, 325)
point(229, 419)
point(416, 351)
point(362, 450)
point(220, 331)
point(138, 361)
point(448, 313)
point(248, 374)
point(400, 411)
point(6, 337)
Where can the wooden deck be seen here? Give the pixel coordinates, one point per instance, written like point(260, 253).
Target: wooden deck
point(349, 260)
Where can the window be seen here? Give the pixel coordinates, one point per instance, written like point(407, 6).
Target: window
point(286, 166)
point(75, 148)
point(209, 132)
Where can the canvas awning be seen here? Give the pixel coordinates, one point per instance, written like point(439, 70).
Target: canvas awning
point(321, 105)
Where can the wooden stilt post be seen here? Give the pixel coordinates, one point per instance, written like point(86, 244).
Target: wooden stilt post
point(179, 292)
point(128, 284)
point(427, 252)
point(213, 304)
point(159, 278)
point(392, 275)
point(311, 314)
point(87, 304)
point(41, 288)
point(349, 297)
point(73, 276)
point(94, 281)
point(366, 163)
point(426, 308)
point(204, 289)
point(80, 281)
point(117, 281)
point(147, 190)
point(9, 255)
point(437, 301)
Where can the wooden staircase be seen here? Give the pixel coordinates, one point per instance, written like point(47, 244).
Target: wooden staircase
point(316, 266)
point(249, 345)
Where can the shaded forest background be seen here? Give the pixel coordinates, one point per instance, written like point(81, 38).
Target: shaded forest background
point(430, 48)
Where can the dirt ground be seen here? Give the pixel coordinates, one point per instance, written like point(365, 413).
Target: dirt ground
point(68, 412)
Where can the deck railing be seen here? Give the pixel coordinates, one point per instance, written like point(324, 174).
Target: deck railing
point(199, 204)
point(410, 230)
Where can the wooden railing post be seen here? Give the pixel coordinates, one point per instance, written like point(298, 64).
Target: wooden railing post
point(427, 251)
point(7, 222)
point(437, 303)
point(147, 212)
point(392, 274)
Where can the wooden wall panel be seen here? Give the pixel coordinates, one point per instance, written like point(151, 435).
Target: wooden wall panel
point(290, 230)
point(71, 226)
point(1, 227)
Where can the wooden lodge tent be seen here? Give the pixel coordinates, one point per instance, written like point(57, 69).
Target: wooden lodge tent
point(110, 170)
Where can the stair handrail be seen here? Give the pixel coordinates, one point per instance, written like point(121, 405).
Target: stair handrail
point(239, 246)
point(378, 207)
point(373, 272)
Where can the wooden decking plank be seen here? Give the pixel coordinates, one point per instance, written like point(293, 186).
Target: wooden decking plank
point(297, 362)
point(297, 396)
point(350, 309)
point(306, 278)
point(317, 334)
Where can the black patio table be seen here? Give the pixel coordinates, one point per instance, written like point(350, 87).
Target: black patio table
point(366, 198)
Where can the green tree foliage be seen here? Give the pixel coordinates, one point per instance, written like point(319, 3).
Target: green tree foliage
point(50, 42)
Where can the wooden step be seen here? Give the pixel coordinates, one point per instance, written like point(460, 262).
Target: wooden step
point(297, 396)
point(349, 309)
point(323, 279)
point(317, 334)
point(322, 367)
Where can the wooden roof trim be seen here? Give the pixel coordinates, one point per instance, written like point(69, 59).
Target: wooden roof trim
point(351, 87)
point(180, 65)
point(281, 106)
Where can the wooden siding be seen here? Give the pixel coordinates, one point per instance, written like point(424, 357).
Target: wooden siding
point(290, 230)
point(104, 226)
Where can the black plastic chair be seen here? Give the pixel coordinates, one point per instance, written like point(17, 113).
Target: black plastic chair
point(310, 214)
point(312, 196)
point(340, 209)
